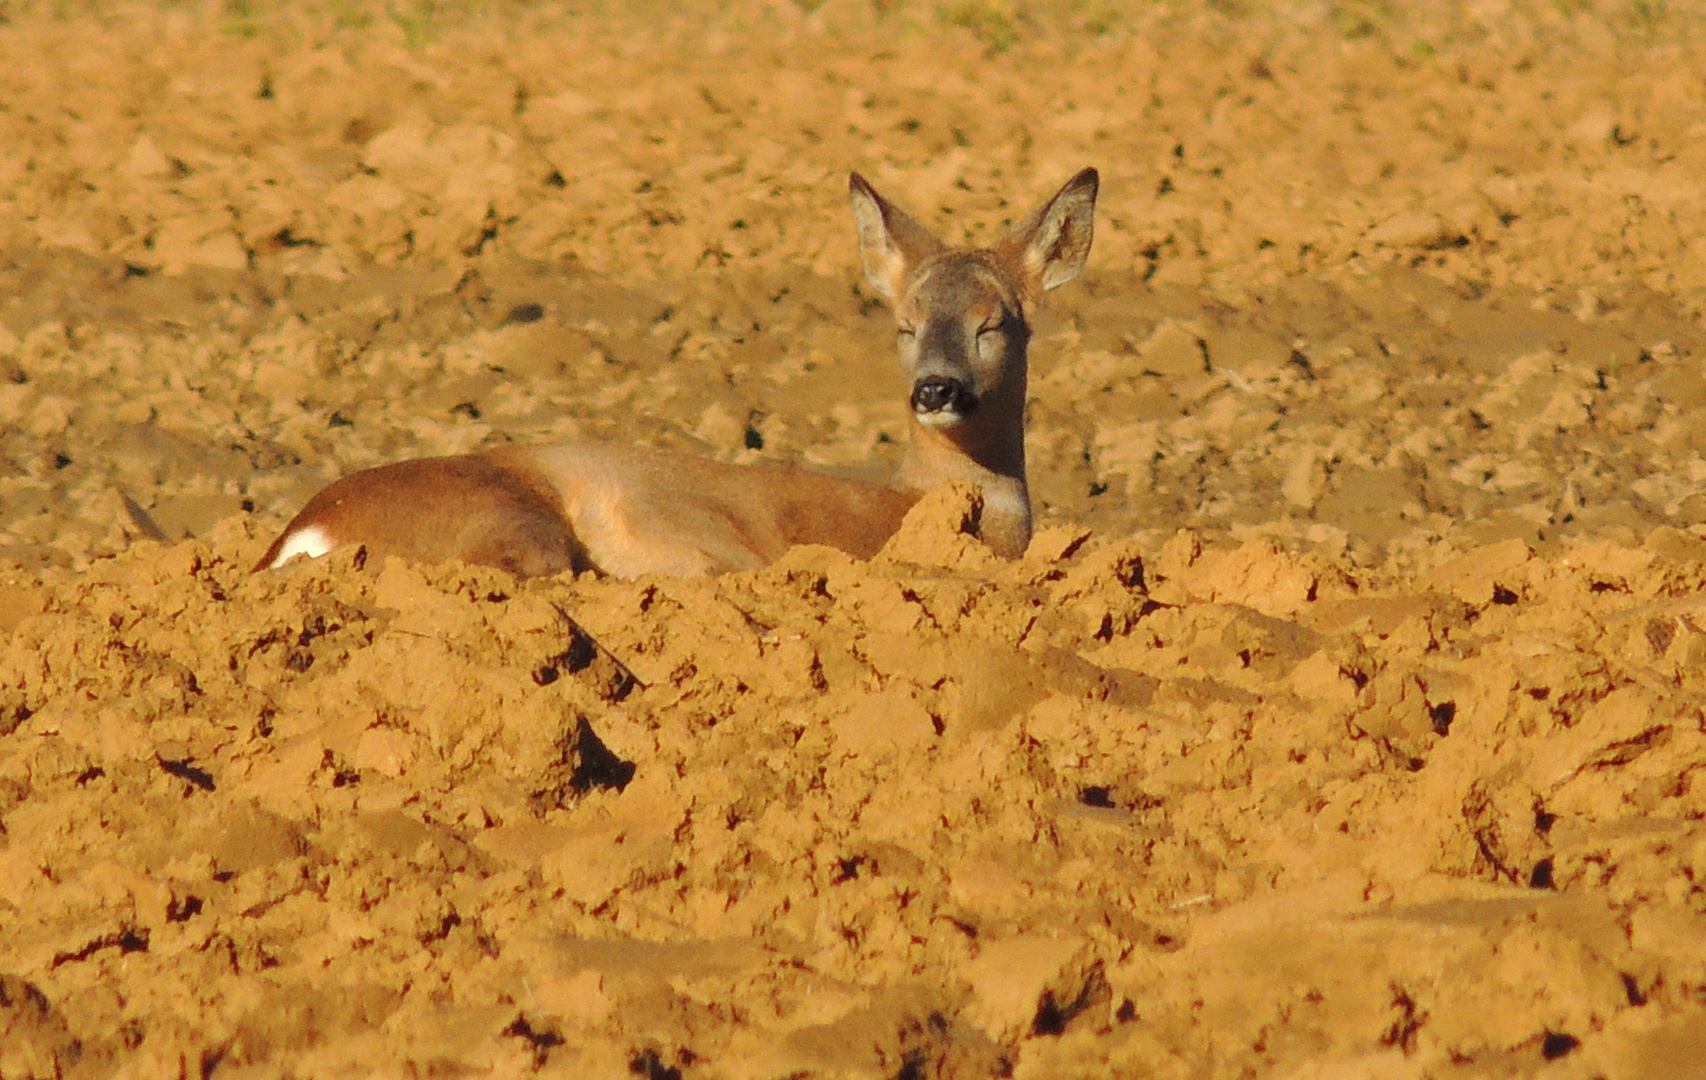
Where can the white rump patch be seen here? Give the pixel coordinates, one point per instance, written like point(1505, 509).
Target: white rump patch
point(311, 540)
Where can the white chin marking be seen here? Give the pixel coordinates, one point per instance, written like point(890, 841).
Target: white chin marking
point(312, 541)
point(938, 419)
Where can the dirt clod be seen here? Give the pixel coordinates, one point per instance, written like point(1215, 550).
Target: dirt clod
point(1344, 717)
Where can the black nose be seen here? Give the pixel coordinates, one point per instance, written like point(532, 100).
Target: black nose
point(938, 394)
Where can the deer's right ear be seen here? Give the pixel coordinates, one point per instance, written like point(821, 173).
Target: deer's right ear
point(890, 243)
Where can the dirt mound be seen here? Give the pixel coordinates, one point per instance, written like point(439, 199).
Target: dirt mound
point(1342, 718)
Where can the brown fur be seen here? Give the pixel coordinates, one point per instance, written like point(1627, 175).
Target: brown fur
point(472, 508)
point(964, 318)
point(638, 510)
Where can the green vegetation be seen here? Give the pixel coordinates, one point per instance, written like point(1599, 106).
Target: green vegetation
point(989, 20)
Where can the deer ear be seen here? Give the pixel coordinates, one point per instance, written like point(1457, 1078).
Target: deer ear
point(890, 242)
point(1054, 242)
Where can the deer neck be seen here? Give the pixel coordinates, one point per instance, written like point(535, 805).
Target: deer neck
point(996, 464)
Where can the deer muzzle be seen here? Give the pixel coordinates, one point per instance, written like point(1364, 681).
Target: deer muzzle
point(943, 399)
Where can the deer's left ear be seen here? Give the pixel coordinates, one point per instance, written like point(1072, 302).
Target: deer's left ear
point(1054, 242)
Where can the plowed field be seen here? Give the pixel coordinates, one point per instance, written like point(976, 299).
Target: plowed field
point(1341, 721)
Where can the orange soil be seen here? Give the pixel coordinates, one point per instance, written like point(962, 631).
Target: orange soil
point(1342, 719)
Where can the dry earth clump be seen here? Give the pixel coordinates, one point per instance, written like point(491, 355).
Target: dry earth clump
point(1343, 718)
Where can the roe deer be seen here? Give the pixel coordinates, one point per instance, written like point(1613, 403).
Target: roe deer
point(964, 320)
